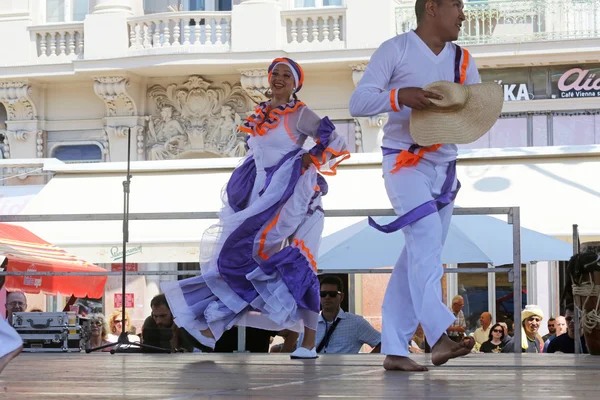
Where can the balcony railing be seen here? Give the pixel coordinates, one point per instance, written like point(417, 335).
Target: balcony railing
point(315, 28)
point(58, 42)
point(185, 32)
point(515, 21)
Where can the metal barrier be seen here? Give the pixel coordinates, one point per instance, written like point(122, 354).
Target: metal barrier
point(513, 214)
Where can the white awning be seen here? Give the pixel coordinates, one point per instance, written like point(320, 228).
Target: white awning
point(553, 191)
point(14, 199)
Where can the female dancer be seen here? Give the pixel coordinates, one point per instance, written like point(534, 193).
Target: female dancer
point(258, 262)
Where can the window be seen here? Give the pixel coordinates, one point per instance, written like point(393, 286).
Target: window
point(507, 132)
point(161, 6)
point(317, 3)
point(78, 153)
point(574, 130)
point(67, 10)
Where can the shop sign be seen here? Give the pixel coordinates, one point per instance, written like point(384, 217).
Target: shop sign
point(117, 254)
point(129, 300)
point(35, 281)
point(515, 91)
point(581, 84)
point(129, 267)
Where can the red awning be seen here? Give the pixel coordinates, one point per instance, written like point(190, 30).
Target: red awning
point(27, 252)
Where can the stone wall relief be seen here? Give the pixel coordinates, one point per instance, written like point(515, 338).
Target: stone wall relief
point(23, 137)
point(196, 116)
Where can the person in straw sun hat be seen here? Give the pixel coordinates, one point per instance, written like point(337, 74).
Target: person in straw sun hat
point(433, 93)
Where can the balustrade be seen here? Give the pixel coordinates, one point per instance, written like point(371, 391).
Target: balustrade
point(185, 32)
point(315, 29)
point(56, 42)
point(514, 21)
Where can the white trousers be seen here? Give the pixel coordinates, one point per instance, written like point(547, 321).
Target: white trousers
point(9, 338)
point(414, 293)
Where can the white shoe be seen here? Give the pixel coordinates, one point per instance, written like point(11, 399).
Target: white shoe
point(302, 353)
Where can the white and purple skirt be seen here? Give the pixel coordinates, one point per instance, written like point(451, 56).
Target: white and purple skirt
point(258, 262)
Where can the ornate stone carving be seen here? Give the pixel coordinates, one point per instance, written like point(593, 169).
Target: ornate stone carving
point(16, 97)
point(196, 116)
point(113, 91)
point(114, 136)
point(357, 72)
point(40, 144)
point(358, 138)
point(19, 139)
point(256, 83)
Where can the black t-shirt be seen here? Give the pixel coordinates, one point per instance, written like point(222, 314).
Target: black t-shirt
point(565, 344)
point(257, 340)
point(489, 347)
point(156, 336)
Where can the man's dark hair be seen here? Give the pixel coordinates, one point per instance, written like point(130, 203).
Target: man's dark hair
point(552, 319)
point(159, 300)
point(420, 8)
point(570, 307)
point(332, 280)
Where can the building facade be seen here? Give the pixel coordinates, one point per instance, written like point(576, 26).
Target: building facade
point(80, 77)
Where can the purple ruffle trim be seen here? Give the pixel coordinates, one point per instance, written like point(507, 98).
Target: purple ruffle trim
point(326, 128)
point(297, 274)
point(239, 187)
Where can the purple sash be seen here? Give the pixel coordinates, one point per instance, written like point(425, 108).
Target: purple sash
point(446, 197)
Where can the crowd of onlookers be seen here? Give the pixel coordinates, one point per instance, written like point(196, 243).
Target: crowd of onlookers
point(338, 331)
point(498, 338)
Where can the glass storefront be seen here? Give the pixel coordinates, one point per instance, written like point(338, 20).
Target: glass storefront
point(553, 127)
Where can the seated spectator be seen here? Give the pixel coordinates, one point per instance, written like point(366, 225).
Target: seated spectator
point(115, 324)
point(560, 327)
point(482, 333)
point(15, 302)
point(98, 332)
point(531, 341)
point(495, 340)
point(565, 343)
point(340, 332)
point(160, 331)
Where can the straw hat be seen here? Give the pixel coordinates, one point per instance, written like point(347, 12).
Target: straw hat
point(465, 113)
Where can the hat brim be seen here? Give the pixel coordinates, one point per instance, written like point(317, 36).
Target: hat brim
point(466, 125)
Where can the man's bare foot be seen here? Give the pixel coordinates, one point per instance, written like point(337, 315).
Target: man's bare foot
point(398, 363)
point(446, 349)
point(7, 358)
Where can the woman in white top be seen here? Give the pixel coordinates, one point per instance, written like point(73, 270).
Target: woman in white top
point(259, 261)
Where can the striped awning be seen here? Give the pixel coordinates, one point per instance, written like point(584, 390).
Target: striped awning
point(27, 252)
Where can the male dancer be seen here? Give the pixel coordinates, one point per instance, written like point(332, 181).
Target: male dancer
point(415, 175)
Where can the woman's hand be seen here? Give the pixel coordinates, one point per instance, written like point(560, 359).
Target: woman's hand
point(306, 161)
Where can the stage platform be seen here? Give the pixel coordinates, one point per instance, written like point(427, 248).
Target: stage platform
point(270, 376)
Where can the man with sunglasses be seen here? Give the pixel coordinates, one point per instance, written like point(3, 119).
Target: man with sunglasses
point(340, 332)
point(565, 343)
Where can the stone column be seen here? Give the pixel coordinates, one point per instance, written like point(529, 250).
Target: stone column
point(248, 34)
point(106, 31)
point(120, 96)
point(370, 129)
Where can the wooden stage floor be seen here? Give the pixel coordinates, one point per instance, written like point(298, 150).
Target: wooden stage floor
point(270, 376)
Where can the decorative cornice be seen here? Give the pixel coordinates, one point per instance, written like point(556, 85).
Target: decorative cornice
point(358, 71)
point(255, 83)
point(16, 98)
point(113, 91)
